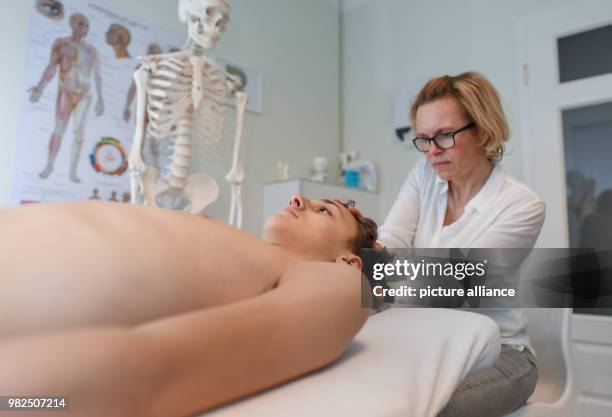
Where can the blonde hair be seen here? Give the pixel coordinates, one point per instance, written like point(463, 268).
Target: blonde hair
point(480, 102)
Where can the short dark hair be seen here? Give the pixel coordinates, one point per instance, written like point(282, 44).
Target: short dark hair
point(367, 230)
point(367, 234)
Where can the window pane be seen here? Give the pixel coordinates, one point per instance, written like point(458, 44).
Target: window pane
point(587, 134)
point(585, 54)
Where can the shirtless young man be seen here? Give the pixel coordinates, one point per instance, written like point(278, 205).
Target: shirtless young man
point(137, 311)
point(77, 61)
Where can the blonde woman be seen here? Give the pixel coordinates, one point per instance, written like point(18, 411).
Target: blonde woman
point(458, 196)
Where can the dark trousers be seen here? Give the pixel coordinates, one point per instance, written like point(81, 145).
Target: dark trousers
point(497, 390)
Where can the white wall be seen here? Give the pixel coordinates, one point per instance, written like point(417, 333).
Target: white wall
point(293, 43)
point(387, 43)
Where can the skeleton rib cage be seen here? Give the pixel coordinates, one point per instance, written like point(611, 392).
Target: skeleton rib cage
point(179, 103)
point(182, 99)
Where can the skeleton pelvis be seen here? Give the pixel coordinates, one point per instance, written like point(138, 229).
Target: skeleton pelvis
point(199, 192)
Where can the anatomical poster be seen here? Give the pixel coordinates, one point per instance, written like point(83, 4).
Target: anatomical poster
point(78, 100)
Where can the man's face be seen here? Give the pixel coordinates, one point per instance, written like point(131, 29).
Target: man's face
point(317, 229)
point(207, 20)
point(79, 25)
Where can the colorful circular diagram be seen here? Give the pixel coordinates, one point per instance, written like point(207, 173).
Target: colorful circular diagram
point(108, 157)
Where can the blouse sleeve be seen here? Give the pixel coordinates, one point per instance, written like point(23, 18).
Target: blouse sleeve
point(519, 228)
point(506, 245)
point(401, 223)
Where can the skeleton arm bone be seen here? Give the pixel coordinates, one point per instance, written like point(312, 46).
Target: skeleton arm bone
point(49, 72)
point(136, 163)
point(236, 175)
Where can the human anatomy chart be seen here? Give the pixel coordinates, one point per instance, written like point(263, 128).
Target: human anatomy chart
point(77, 120)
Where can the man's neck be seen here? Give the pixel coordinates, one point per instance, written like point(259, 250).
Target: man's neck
point(300, 255)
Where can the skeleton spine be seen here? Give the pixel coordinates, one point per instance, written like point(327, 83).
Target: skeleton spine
point(181, 155)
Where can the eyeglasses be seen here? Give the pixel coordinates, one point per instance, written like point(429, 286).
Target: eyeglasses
point(349, 204)
point(444, 140)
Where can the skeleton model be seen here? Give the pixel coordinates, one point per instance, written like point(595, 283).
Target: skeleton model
point(180, 93)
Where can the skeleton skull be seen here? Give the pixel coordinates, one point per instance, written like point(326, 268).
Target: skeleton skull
point(206, 20)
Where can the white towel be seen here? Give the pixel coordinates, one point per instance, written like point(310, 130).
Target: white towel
point(404, 362)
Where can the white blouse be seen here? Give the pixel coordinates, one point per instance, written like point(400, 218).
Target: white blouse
point(505, 213)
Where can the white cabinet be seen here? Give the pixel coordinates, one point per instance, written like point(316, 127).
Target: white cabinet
point(277, 194)
point(592, 337)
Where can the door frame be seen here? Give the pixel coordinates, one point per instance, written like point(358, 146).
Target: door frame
point(543, 98)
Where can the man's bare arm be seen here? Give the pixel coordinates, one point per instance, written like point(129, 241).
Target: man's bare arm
point(239, 349)
point(193, 362)
point(102, 371)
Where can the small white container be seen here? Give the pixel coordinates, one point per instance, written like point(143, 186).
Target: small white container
point(319, 168)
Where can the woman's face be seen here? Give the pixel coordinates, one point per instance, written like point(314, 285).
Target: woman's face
point(445, 115)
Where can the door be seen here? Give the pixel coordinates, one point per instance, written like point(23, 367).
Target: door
point(566, 58)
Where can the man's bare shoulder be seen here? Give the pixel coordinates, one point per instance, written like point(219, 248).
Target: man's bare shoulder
point(322, 273)
point(333, 287)
point(335, 269)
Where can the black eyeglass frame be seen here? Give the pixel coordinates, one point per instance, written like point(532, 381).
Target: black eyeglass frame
point(445, 134)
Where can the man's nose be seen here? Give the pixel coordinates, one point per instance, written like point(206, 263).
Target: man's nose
point(297, 201)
